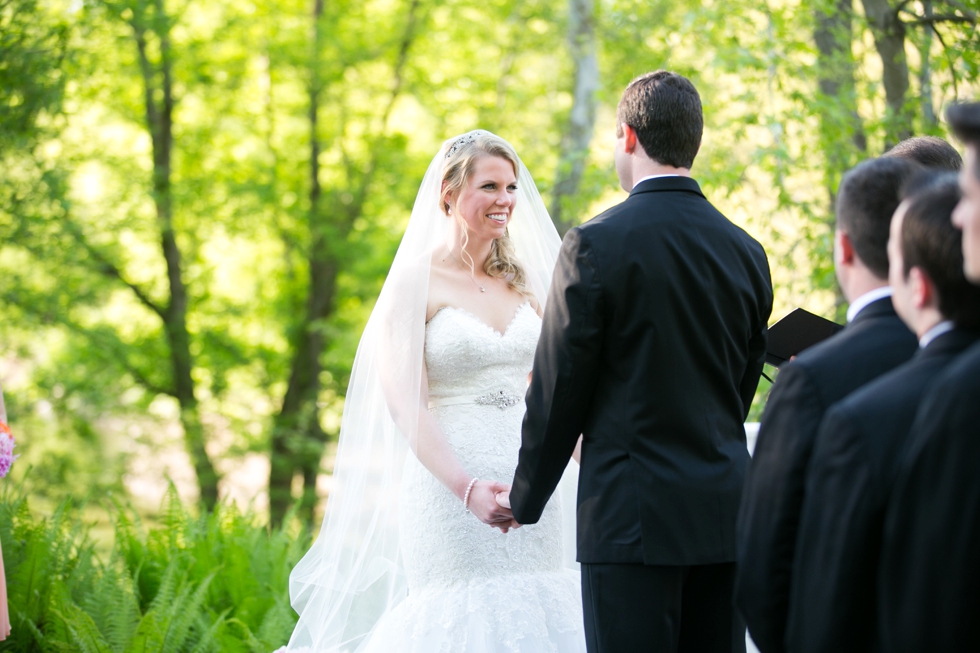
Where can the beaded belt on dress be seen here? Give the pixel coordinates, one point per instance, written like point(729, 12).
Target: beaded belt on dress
point(499, 399)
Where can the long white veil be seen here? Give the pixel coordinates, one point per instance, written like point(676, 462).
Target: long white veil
point(353, 574)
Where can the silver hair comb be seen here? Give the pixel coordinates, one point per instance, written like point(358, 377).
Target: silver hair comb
point(465, 139)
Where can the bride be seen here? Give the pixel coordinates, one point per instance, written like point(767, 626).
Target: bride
point(415, 553)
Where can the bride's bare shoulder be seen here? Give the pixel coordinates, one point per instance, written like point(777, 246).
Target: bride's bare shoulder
point(535, 304)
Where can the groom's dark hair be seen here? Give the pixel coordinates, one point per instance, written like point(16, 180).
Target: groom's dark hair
point(868, 195)
point(665, 110)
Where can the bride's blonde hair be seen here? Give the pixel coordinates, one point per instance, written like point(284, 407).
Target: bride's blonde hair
point(461, 157)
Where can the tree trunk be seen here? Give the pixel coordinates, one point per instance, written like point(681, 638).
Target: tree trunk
point(298, 419)
point(841, 129)
point(158, 81)
point(889, 36)
point(925, 71)
point(581, 120)
point(844, 139)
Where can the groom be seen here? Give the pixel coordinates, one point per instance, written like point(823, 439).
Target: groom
point(652, 346)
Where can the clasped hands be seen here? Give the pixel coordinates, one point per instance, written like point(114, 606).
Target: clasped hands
point(490, 502)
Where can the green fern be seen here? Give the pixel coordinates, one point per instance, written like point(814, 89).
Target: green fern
point(84, 633)
point(213, 583)
point(184, 615)
point(113, 606)
point(149, 635)
point(209, 639)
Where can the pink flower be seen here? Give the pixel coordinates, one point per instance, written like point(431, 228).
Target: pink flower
point(7, 456)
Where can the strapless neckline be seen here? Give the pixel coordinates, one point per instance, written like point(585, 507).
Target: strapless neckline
point(463, 311)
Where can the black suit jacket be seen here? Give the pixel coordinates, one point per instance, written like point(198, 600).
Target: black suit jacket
point(856, 458)
point(929, 578)
point(874, 343)
point(651, 348)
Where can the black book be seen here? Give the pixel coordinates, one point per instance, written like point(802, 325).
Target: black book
point(797, 331)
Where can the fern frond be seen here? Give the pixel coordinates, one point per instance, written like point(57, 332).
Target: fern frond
point(208, 639)
point(254, 644)
point(277, 625)
point(149, 636)
point(85, 634)
point(184, 614)
point(112, 603)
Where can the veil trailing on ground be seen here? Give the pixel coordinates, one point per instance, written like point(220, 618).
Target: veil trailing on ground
point(353, 573)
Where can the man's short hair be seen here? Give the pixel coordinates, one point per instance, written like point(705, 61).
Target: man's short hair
point(964, 120)
point(866, 200)
point(664, 109)
point(930, 151)
point(930, 242)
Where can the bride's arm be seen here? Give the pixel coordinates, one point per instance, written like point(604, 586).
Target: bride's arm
point(433, 451)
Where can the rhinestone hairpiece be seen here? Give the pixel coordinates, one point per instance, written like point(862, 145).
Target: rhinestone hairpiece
point(465, 139)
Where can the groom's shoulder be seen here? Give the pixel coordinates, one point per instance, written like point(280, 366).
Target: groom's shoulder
point(624, 214)
point(655, 214)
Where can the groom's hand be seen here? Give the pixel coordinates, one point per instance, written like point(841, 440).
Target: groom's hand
point(483, 504)
point(503, 500)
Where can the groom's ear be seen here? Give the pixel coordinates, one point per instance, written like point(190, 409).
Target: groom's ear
point(630, 140)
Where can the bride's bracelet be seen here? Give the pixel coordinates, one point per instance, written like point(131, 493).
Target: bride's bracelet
point(466, 497)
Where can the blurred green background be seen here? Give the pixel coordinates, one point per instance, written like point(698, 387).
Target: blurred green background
point(199, 199)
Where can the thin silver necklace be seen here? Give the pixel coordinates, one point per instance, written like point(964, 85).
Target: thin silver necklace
point(472, 278)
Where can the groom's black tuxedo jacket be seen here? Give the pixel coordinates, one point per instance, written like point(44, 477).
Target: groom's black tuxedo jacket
point(928, 593)
point(875, 342)
point(651, 348)
point(856, 457)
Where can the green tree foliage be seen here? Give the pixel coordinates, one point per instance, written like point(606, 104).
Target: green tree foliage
point(199, 200)
point(215, 583)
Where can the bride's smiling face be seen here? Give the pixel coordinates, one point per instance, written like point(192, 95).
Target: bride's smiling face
point(486, 201)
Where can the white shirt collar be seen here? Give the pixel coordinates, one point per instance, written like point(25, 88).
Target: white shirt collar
point(858, 304)
point(652, 177)
point(943, 327)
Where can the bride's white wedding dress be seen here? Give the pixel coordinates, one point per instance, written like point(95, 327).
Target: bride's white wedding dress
point(473, 589)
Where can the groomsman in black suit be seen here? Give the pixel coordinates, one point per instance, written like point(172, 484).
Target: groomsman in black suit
point(929, 588)
point(651, 348)
point(874, 342)
point(860, 444)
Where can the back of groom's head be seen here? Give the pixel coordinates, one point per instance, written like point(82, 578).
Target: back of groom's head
point(866, 200)
point(664, 109)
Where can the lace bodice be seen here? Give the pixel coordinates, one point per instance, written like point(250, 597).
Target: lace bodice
point(465, 356)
